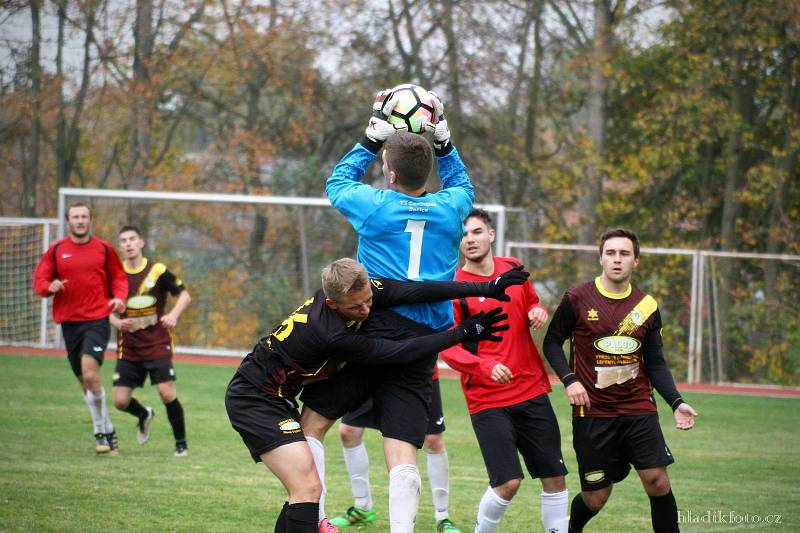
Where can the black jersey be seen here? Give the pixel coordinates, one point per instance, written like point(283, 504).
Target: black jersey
point(315, 341)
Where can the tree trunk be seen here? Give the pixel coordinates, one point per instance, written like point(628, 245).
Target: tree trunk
point(597, 110)
point(31, 174)
point(453, 98)
point(790, 97)
point(141, 109)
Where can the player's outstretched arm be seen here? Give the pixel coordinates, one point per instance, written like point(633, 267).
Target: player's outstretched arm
point(358, 348)
point(389, 293)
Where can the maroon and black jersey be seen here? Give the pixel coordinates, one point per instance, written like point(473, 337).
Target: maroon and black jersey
point(315, 341)
point(148, 286)
point(615, 349)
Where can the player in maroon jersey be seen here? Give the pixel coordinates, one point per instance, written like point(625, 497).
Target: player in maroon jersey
point(312, 344)
point(144, 338)
point(85, 278)
point(506, 386)
point(615, 361)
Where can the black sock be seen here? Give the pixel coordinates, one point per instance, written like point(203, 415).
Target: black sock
point(664, 513)
point(175, 415)
point(579, 514)
point(136, 409)
point(302, 517)
point(280, 523)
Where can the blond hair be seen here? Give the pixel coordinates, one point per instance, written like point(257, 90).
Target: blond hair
point(343, 276)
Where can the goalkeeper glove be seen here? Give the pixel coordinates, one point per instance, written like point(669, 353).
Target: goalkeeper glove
point(439, 129)
point(497, 287)
point(483, 326)
point(379, 129)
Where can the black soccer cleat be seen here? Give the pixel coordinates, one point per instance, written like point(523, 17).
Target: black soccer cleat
point(113, 443)
point(101, 443)
point(143, 426)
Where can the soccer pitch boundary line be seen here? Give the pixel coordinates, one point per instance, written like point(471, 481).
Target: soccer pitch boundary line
point(773, 391)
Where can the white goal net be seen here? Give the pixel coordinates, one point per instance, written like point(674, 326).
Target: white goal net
point(24, 316)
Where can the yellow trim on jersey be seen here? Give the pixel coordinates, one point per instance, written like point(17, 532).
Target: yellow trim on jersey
point(609, 294)
point(637, 316)
point(129, 270)
point(152, 278)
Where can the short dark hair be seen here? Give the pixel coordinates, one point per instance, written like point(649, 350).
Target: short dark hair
point(129, 227)
point(410, 157)
point(620, 232)
point(481, 214)
point(77, 204)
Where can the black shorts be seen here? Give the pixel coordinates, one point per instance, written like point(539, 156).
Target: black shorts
point(133, 373)
point(607, 447)
point(401, 394)
point(88, 339)
point(366, 417)
point(263, 421)
point(529, 427)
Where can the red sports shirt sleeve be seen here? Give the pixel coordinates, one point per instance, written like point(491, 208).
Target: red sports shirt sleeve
point(43, 274)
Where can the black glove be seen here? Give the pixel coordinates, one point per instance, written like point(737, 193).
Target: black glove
point(497, 287)
point(483, 325)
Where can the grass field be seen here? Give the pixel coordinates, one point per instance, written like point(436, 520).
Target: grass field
point(741, 459)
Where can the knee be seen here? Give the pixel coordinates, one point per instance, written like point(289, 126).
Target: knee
point(596, 499)
point(657, 485)
point(509, 489)
point(554, 484)
point(350, 435)
point(434, 443)
point(167, 396)
point(121, 402)
point(309, 492)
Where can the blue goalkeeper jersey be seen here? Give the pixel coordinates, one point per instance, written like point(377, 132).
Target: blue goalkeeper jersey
point(401, 237)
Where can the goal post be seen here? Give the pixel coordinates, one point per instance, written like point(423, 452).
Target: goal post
point(24, 315)
point(728, 317)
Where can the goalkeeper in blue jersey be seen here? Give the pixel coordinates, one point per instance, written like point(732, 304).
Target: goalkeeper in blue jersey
point(404, 233)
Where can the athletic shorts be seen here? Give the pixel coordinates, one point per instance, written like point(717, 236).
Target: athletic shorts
point(401, 394)
point(88, 338)
point(365, 416)
point(133, 373)
point(263, 421)
point(607, 447)
point(529, 427)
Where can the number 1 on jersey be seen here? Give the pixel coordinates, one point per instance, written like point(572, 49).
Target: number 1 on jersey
point(416, 229)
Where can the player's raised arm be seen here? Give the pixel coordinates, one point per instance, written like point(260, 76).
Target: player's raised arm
point(389, 293)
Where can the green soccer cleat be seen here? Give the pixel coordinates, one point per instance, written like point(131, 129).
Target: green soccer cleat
point(352, 516)
point(446, 526)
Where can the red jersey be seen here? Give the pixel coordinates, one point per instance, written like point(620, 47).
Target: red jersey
point(148, 286)
point(517, 350)
point(93, 274)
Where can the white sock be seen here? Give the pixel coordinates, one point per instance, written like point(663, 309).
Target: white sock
point(404, 484)
point(554, 511)
point(318, 452)
point(96, 402)
point(490, 512)
point(357, 462)
point(439, 477)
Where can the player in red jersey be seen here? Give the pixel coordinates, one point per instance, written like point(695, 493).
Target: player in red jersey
point(616, 360)
point(506, 386)
point(144, 338)
point(87, 282)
